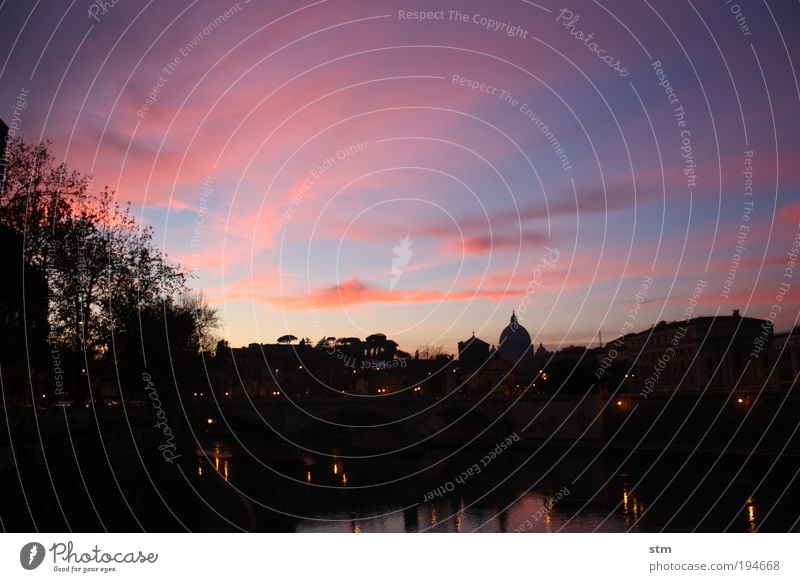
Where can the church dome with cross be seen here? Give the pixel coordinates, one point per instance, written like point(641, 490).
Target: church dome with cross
point(515, 342)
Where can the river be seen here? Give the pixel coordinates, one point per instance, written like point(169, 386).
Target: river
point(521, 488)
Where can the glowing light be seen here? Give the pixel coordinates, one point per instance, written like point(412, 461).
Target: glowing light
point(344, 479)
point(210, 421)
point(225, 469)
point(740, 400)
point(619, 402)
point(751, 516)
point(308, 476)
point(335, 469)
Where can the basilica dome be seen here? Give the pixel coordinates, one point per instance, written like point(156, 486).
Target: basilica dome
point(515, 342)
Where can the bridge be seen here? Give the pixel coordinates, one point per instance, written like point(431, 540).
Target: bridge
point(374, 421)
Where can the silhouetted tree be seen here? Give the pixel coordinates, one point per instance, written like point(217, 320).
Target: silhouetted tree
point(100, 266)
point(430, 352)
point(37, 196)
point(206, 320)
point(325, 343)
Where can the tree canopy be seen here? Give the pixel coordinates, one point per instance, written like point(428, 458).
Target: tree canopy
point(102, 269)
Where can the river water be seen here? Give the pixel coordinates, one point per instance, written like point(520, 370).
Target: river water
point(521, 489)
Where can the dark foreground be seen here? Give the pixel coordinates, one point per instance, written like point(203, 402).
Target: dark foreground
point(253, 481)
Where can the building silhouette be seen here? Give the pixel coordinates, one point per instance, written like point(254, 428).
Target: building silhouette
point(3, 143)
point(504, 370)
point(786, 352)
point(473, 354)
point(705, 354)
point(24, 351)
point(332, 367)
point(713, 353)
point(515, 342)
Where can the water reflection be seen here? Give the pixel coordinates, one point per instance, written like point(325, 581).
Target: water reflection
point(632, 507)
point(219, 454)
point(625, 507)
point(752, 527)
point(459, 517)
point(341, 493)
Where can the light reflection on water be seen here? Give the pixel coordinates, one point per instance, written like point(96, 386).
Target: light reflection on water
point(335, 500)
point(219, 455)
point(532, 512)
point(751, 517)
point(449, 516)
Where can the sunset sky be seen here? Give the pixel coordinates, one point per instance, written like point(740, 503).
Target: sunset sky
point(283, 150)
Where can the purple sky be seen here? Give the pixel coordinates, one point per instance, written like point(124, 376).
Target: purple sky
point(283, 150)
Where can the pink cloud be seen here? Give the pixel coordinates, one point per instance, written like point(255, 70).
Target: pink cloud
point(790, 213)
point(477, 245)
point(354, 292)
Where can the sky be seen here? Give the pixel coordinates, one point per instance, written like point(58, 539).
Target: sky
point(342, 168)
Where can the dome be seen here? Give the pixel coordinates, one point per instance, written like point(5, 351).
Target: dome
point(515, 342)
